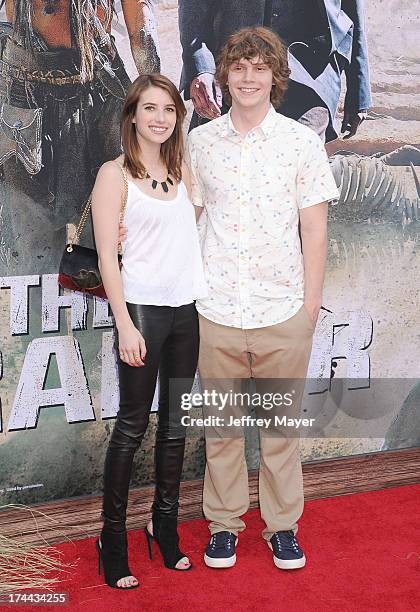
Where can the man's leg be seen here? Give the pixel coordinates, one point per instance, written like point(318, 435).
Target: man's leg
point(223, 362)
point(280, 484)
point(280, 353)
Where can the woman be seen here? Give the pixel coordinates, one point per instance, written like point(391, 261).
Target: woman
point(152, 300)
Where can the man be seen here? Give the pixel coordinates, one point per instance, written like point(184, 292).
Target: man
point(62, 87)
point(324, 39)
point(257, 174)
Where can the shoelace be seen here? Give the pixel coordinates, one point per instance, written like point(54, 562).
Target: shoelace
point(287, 541)
point(220, 540)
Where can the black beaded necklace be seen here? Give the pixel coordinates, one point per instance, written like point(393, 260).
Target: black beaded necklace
point(163, 184)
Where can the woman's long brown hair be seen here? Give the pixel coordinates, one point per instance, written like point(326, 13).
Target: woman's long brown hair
point(172, 150)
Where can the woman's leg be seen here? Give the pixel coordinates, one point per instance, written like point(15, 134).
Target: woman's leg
point(137, 387)
point(176, 375)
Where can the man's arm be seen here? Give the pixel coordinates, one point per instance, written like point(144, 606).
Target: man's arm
point(196, 18)
point(195, 187)
point(196, 30)
point(141, 29)
point(186, 177)
point(9, 10)
point(315, 187)
point(358, 96)
point(313, 227)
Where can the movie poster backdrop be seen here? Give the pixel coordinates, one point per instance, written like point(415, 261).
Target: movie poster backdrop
point(65, 68)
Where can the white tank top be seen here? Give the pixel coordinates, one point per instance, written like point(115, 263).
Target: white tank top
point(161, 261)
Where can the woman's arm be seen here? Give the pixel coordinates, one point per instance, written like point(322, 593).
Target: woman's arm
point(106, 208)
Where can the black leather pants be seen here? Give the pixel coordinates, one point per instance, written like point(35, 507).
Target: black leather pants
point(172, 341)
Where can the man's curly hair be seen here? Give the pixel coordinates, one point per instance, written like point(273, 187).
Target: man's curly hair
point(250, 43)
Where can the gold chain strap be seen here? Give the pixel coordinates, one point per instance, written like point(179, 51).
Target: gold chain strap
point(87, 208)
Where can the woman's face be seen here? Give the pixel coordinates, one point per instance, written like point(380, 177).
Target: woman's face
point(155, 116)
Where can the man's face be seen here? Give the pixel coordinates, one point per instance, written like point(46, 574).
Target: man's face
point(250, 83)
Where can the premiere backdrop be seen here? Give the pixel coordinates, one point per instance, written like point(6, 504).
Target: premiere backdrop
point(58, 385)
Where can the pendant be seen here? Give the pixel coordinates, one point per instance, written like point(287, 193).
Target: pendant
point(163, 184)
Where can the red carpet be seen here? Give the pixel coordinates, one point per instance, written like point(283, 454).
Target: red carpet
point(363, 554)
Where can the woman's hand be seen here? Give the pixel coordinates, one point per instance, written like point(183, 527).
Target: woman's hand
point(132, 347)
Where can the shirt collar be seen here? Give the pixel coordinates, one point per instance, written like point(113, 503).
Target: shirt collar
point(265, 128)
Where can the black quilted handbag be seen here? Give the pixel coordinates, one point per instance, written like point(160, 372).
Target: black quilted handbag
point(79, 269)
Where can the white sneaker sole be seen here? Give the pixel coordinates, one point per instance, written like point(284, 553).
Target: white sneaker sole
point(220, 563)
point(288, 564)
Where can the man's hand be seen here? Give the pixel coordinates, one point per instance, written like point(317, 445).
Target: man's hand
point(206, 96)
point(351, 122)
point(312, 307)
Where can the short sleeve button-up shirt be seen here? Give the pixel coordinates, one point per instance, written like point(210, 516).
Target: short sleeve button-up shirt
point(252, 189)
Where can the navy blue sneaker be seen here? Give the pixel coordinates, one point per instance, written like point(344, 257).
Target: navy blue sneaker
point(221, 550)
point(287, 554)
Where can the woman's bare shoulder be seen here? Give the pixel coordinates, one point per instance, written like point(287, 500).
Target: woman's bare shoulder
point(111, 169)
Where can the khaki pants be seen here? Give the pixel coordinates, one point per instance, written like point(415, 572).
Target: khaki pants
point(276, 352)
